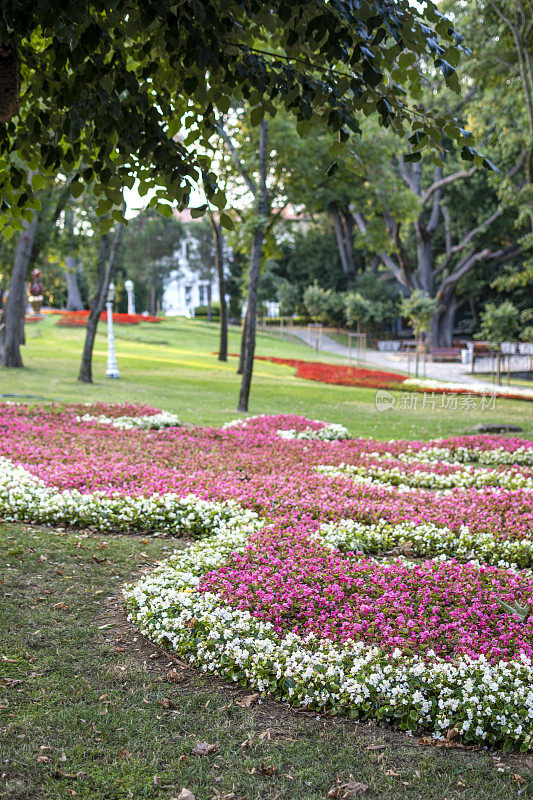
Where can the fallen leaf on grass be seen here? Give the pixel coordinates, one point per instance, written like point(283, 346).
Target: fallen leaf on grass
point(174, 676)
point(247, 701)
point(43, 760)
point(72, 775)
point(518, 778)
point(346, 791)
point(267, 769)
point(125, 754)
point(376, 747)
point(185, 794)
point(204, 749)
point(451, 734)
point(166, 702)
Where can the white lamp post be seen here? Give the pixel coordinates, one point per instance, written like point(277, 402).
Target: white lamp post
point(112, 366)
point(128, 285)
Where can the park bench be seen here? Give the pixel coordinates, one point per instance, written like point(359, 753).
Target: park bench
point(445, 354)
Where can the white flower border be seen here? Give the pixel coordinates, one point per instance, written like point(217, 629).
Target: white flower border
point(26, 498)
point(465, 478)
point(497, 456)
point(331, 432)
point(163, 419)
point(482, 701)
point(428, 541)
point(470, 388)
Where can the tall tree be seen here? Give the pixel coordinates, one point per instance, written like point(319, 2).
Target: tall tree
point(106, 266)
point(218, 239)
point(12, 320)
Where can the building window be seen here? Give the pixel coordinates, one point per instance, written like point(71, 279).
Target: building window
point(202, 299)
point(188, 295)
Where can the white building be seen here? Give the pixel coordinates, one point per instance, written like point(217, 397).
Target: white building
point(184, 289)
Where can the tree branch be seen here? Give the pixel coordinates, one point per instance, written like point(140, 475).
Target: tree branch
point(387, 259)
point(436, 185)
point(468, 238)
point(236, 159)
point(434, 217)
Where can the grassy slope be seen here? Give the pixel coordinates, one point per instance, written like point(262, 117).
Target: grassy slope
point(80, 694)
point(171, 365)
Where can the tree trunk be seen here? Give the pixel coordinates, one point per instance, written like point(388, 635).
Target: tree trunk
point(152, 298)
point(240, 368)
point(12, 322)
point(441, 330)
point(255, 263)
point(106, 273)
point(74, 302)
point(209, 313)
point(339, 235)
point(219, 263)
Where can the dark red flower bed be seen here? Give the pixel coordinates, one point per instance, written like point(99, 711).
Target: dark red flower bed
point(78, 319)
point(338, 374)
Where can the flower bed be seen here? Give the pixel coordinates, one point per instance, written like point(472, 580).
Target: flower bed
point(346, 375)
point(303, 584)
point(339, 374)
point(78, 319)
point(481, 699)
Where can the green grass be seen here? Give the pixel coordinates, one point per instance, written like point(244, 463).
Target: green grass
point(172, 365)
point(83, 711)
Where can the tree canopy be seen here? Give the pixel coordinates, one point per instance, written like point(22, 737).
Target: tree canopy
point(118, 90)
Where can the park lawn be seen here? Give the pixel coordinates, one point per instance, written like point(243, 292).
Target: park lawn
point(87, 709)
point(172, 365)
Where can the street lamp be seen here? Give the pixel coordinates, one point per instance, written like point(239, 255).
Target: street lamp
point(112, 366)
point(128, 285)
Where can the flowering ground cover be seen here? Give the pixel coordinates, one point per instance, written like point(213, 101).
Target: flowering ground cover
point(285, 591)
point(346, 375)
point(78, 319)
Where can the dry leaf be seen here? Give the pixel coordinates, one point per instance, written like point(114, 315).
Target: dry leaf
point(173, 676)
point(451, 734)
point(267, 769)
point(125, 754)
point(72, 775)
point(376, 747)
point(346, 791)
point(43, 760)
point(518, 778)
point(185, 794)
point(204, 749)
point(166, 702)
point(247, 701)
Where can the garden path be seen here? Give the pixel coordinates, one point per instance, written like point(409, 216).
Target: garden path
point(398, 361)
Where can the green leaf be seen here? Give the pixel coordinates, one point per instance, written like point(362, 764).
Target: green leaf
point(199, 211)
point(227, 222)
point(164, 209)
point(412, 157)
point(76, 188)
point(256, 116)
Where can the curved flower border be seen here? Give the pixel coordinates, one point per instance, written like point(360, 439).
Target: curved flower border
point(427, 541)
point(465, 478)
point(26, 498)
point(488, 702)
point(163, 419)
